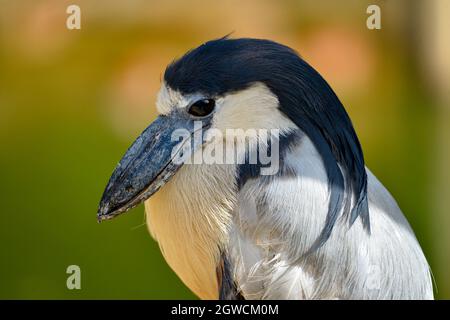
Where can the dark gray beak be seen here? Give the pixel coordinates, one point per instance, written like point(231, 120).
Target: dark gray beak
point(147, 165)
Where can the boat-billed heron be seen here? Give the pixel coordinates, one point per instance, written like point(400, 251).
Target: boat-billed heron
point(315, 225)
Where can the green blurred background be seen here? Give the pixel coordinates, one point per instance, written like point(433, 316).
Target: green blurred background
point(71, 101)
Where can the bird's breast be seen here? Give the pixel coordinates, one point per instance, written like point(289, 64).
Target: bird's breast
point(189, 217)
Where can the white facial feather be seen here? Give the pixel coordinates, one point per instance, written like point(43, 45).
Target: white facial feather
point(253, 108)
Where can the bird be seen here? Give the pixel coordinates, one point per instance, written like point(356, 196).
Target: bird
point(320, 226)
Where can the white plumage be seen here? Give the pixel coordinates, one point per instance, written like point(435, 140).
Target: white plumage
point(267, 226)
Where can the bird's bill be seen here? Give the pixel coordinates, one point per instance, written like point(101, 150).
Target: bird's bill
point(144, 169)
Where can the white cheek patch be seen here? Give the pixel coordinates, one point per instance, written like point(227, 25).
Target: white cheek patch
point(246, 119)
point(253, 108)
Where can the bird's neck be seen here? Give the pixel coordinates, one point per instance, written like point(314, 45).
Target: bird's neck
point(190, 217)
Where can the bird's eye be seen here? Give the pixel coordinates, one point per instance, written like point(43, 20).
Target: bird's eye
point(202, 107)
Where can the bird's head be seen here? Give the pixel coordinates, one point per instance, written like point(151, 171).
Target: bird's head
point(236, 84)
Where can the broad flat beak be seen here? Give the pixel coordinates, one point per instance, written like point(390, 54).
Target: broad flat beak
point(146, 166)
